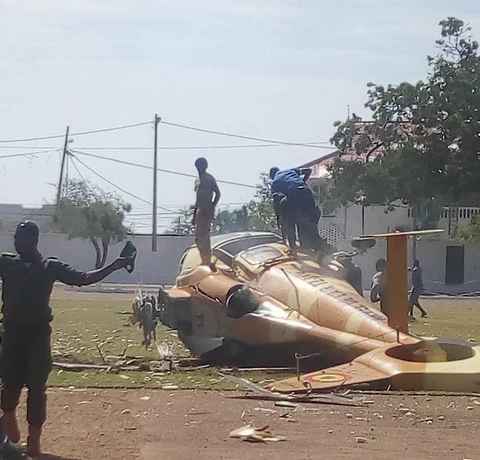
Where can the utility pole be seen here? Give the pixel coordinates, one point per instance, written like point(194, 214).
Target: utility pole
point(154, 210)
point(62, 167)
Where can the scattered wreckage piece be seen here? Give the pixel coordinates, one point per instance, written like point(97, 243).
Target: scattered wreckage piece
point(260, 393)
point(252, 434)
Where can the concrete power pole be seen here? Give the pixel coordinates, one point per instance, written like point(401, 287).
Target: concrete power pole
point(154, 210)
point(62, 168)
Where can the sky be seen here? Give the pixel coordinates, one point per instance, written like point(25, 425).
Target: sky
point(282, 70)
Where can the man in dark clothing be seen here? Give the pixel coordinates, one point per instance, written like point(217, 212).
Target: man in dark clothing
point(28, 280)
point(300, 212)
point(208, 196)
point(417, 289)
point(377, 289)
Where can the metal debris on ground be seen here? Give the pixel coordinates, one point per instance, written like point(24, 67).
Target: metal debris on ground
point(258, 392)
point(286, 404)
point(361, 440)
point(250, 433)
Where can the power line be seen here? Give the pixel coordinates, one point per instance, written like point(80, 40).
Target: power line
point(74, 163)
point(110, 182)
point(27, 154)
point(78, 133)
point(200, 147)
point(171, 147)
point(168, 171)
point(238, 136)
point(21, 147)
point(114, 128)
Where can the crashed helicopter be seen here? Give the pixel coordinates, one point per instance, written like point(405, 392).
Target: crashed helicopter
point(265, 305)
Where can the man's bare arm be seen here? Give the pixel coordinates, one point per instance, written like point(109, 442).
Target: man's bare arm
point(216, 190)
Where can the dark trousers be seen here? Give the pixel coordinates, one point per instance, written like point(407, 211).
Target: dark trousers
point(414, 301)
point(203, 222)
point(305, 214)
point(26, 362)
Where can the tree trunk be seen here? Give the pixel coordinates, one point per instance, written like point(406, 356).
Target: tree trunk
point(97, 252)
point(105, 244)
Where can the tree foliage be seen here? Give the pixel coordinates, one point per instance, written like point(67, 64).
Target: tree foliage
point(422, 146)
point(87, 212)
point(182, 224)
point(470, 233)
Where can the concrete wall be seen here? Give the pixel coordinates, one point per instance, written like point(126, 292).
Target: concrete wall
point(151, 268)
point(432, 254)
point(346, 224)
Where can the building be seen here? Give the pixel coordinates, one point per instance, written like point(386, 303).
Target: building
point(12, 214)
point(449, 265)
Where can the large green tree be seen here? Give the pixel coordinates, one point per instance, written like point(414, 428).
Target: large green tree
point(422, 145)
point(87, 212)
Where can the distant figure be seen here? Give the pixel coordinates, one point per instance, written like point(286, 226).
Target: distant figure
point(353, 274)
point(417, 289)
point(296, 209)
point(378, 284)
point(207, 198)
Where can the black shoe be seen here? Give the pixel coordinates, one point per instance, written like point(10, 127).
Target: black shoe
point(9, 451)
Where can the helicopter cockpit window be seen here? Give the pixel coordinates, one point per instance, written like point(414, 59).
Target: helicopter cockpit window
point(261, 254)
point(226, 252)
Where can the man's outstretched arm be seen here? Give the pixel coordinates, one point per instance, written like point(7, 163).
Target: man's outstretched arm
point(70, 276)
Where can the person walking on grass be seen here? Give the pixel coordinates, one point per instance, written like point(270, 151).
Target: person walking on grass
point(417, 290)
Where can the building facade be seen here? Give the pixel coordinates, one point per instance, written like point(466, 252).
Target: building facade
point(449, 266)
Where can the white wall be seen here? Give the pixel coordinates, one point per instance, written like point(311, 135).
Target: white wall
point(431, 251)
point(151, 268)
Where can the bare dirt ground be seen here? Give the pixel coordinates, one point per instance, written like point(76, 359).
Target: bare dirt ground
point(151, 424)
point(180, 425)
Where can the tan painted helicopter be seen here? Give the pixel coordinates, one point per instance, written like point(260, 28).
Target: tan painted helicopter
point(265, 305)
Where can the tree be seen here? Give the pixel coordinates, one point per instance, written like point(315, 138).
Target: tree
point(422, 146)
point(87, 212)
point(182, 225)
point(470, 233)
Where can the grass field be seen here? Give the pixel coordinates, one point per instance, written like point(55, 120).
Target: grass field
point(84, 320)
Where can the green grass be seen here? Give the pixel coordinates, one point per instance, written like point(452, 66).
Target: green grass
point(449, 317)
point(84, 320)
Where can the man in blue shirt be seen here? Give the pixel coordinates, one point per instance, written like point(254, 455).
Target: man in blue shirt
point(299, 211)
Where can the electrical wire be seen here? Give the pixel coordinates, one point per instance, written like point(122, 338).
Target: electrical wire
point(111, 183)
point(27, 154)
point(114, 128)
point(74, 163)
point(239, 136)
point(198, 147)
point(168, 171)
point(78, 133)
point(21, 147)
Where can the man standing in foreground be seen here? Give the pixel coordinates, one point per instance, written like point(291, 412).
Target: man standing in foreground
point(417, 289)
point(28, 281)
point(208, 196)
